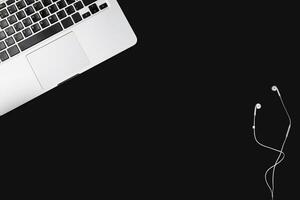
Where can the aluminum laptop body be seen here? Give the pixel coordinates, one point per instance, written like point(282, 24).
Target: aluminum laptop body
point(45, 42)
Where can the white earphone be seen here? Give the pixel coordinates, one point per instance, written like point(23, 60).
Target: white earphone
point(281, 153)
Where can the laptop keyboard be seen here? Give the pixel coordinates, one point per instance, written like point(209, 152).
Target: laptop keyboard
point(25, 23)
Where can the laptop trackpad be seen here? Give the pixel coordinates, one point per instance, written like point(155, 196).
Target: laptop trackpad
point(58, 60)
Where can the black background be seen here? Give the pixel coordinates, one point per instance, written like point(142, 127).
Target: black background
point(174, 113)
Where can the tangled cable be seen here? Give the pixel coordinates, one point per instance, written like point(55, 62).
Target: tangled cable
point(281, 153)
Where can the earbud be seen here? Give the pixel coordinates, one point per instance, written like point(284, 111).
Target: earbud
point(274, 88)
point(258, 106)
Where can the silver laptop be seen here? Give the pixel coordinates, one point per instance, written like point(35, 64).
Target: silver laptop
point(46, 42)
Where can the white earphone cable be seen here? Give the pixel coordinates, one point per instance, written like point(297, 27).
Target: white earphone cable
point(278, 160)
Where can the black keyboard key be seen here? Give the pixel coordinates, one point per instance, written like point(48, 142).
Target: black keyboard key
point(21, 14)
point(44, 13)
point(9, 41)
point(103, 6)
point(35, 28)
point(46, 2)
point(2, 5)
point(93, 8)
point(29, 10)
point(70, 10)
point(38, 6)
point(12, 19)
point(53, 8)
point(76, 17)
point(8, 2)
point(35, 17)
point(88, 2)
point(18, 37)
point(3, 56)
point(2, 35)
point(3, 13)
point(18, 26)
point(70, 1)
point(46, 33)
point(12, 51)
point(61, 4)
point(67, 22)
point(52, 19)
point(12, 9)
point(21, 4)
point(61, 14)
point(44, 23)
point(27, 32)
point(9, 31)
point(78, 5)
point(86, 15)
point(27, 22)
point(2, 45)
point(29, 2)
point(3, 24)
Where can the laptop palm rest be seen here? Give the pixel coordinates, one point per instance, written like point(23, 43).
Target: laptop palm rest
point(58, 60)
